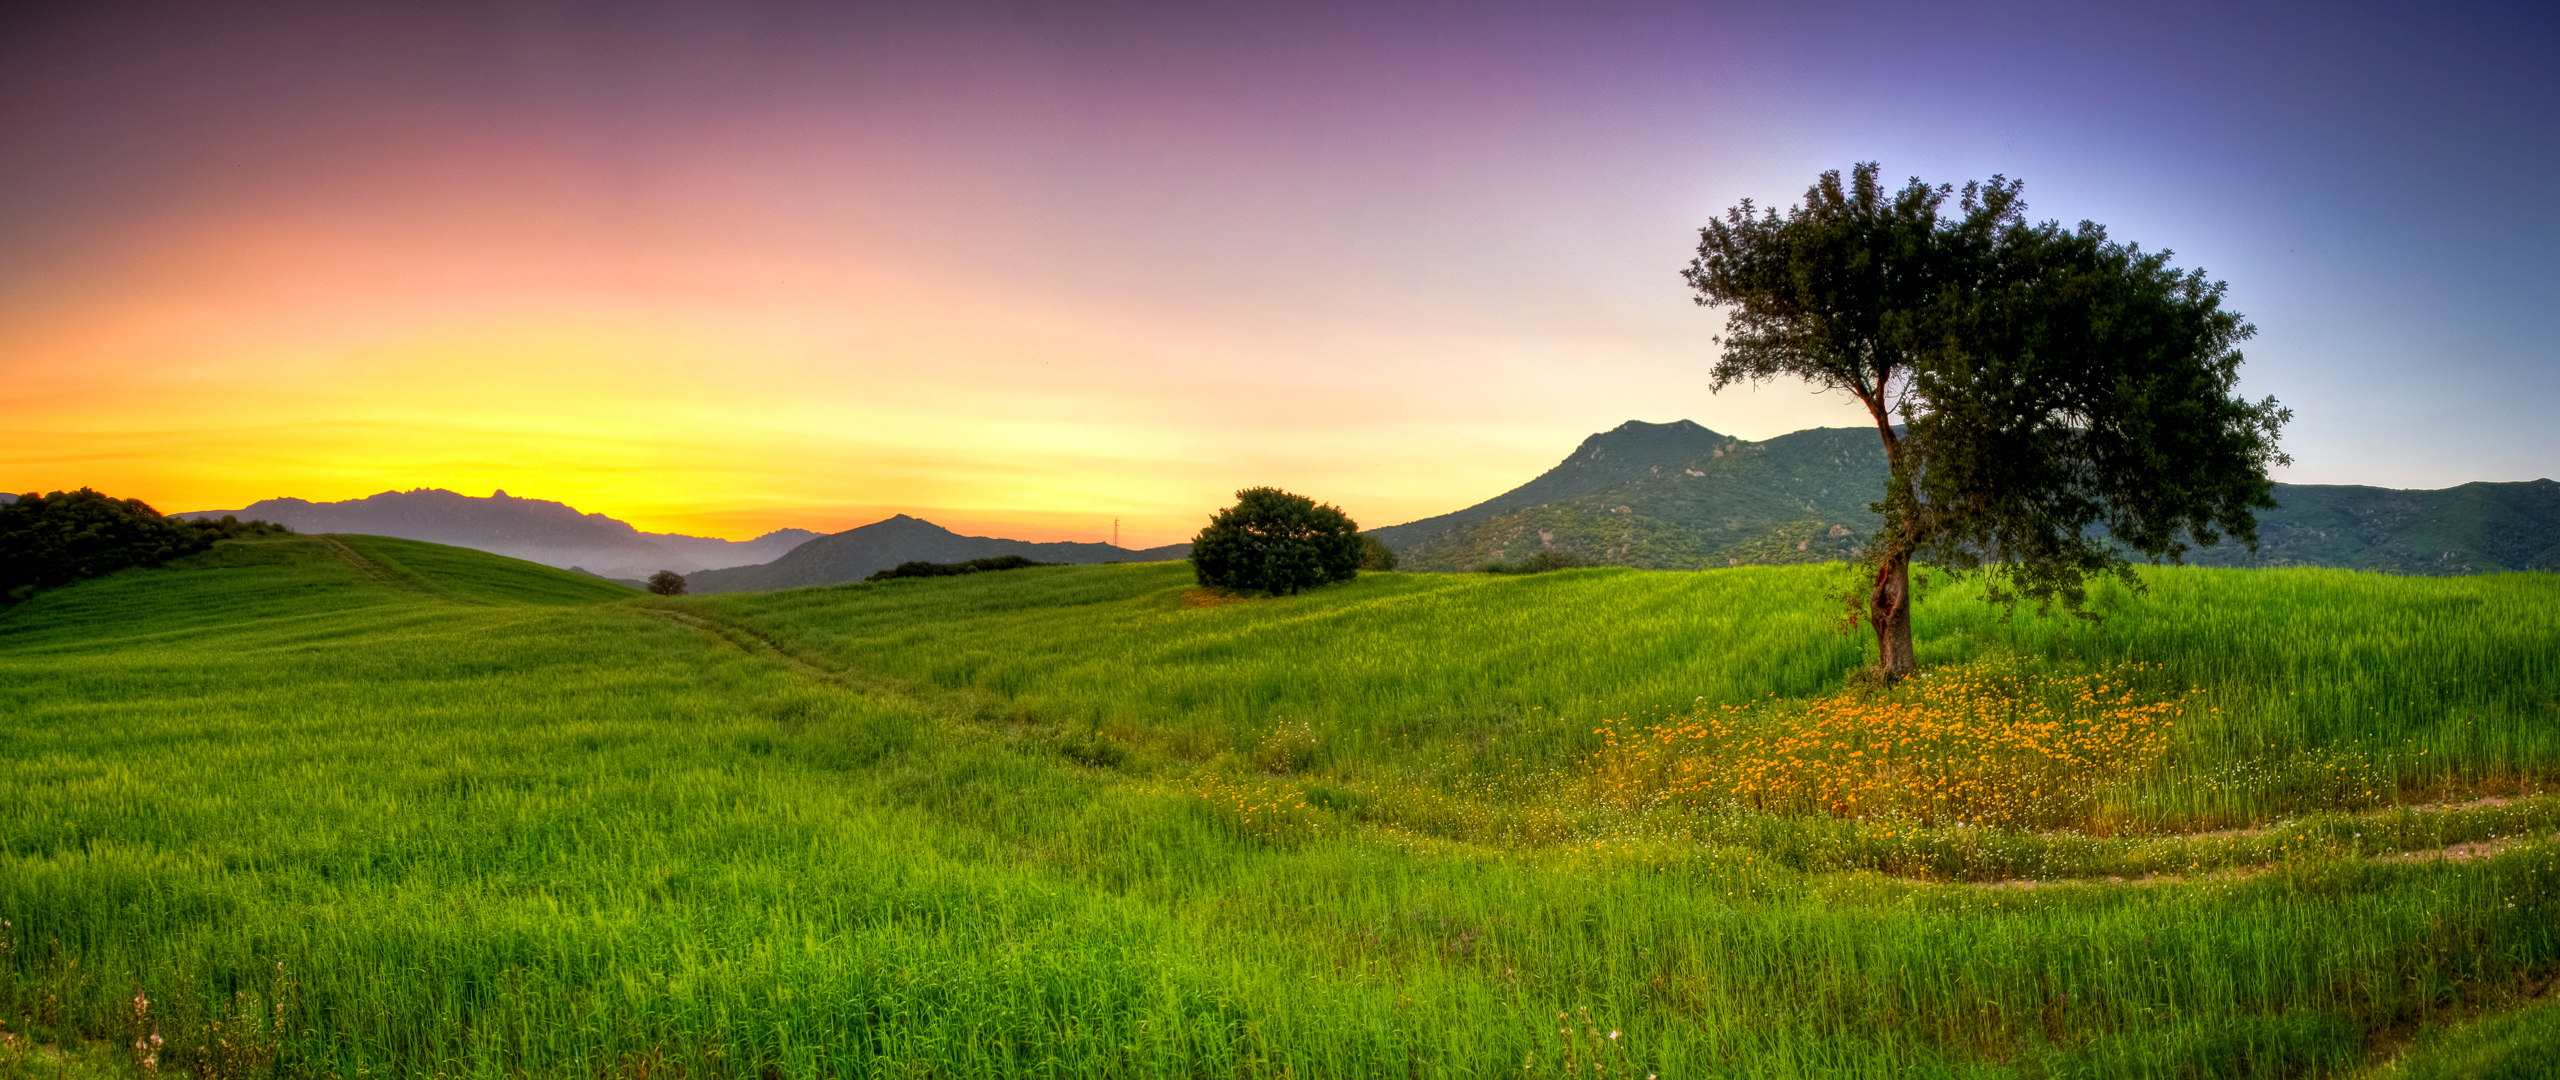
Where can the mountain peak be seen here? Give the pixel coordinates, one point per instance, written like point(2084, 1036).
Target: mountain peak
point(1650, 444)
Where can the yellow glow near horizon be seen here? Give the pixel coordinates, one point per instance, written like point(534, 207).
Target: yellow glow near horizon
point(808, 375)
point(835, 399)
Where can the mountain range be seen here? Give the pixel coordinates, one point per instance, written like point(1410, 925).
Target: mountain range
point(556, 534)
point(535, 530)
point(855, 554)
point(1673, 496)
point(1678, 496)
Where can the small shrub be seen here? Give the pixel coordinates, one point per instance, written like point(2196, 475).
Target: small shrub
point(1274, 542)
point(1375, 554)
point(936, 569)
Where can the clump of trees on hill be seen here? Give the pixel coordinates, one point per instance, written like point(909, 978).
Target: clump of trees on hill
point(1273, 542)
point(667, 583)
point(973, 566)
point(56, 539)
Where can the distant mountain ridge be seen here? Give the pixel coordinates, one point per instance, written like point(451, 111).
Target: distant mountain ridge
point(855, 554)
point(535, 530)
point(1678, 496)
point(2476, 528)
point(1674, 496)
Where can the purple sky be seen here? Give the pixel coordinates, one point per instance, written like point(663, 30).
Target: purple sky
point(728, 267)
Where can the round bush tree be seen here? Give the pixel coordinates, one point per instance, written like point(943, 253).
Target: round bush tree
point(667, 583)
point(1376, 555)
point(1273, 542)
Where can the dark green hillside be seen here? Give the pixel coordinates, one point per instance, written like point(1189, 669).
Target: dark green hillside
point(2473, 529)
point(1680, 497)
point(1671, 497)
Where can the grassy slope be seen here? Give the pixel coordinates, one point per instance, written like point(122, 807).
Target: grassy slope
point(2516, 1045)
point(960, 823)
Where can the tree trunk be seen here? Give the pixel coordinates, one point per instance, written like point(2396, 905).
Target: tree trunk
point(1889, 611)
point(1889, 605)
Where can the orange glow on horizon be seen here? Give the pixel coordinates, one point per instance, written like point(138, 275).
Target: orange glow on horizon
point(718, 353)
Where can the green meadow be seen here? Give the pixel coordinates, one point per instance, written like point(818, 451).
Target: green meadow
point(352, 806)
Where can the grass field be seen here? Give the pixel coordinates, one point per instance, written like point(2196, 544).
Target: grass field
point(363, 807)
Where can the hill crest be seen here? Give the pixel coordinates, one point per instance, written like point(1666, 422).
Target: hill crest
point(857, 553)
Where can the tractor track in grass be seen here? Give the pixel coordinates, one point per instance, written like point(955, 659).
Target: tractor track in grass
point(2457, 852)
point(749, 640)
point(392, 577)
point(752, 641)
point(2453, 853)
point(373, 571)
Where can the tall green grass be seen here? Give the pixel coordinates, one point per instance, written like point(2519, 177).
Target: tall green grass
point(2320, 685)
point(955, 827)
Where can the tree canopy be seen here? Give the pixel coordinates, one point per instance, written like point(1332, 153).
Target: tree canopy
point(2049, 399)
point(923, 568)
point(1274, 542)
point(667, 583)
point(49, 540)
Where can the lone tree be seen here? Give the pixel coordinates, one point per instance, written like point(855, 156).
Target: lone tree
point(1375, 554)
point(1274, 542)
point(2063, 398)
point(667, 583)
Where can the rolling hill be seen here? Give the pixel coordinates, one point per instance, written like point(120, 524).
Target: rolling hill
point(1678, 496)
point(345, 805)
point(854, 554)
point(535, 530)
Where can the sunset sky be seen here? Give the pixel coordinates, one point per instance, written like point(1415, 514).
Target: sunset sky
point(1023, 268)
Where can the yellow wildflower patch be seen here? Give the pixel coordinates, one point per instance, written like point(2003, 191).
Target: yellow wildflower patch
point(1995, 742)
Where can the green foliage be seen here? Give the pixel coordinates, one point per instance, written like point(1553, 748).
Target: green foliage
point(964, 827)
point(2067, 397)
point(49, 540)
point(919, 568)
point(1276, 543)
point(1375, 554)
point(666, 583)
